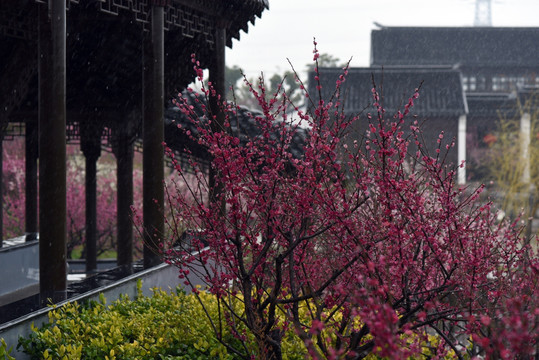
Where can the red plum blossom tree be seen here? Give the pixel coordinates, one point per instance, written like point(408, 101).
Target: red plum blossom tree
point(361, 247)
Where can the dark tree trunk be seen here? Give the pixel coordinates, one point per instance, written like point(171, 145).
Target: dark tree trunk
point(271, 345)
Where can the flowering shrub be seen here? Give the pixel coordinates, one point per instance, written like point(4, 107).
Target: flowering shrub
point(374, 227)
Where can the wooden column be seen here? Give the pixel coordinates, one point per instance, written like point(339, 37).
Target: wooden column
point(31, 154)
point(52, 150)
point(91, 212)
point(217, 79)
point(153, 136)
point(217, 70)
point(124, 176)
point(91, 148)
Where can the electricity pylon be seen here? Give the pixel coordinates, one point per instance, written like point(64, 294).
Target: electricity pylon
point(483, 13)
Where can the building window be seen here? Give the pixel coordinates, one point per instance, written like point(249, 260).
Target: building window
point(472, 83)
point(505, 83)
point(500, 83)
point(481, 83)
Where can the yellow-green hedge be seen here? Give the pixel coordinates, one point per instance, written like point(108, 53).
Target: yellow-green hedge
point(156, 327)
point(5, 351)
point(165, 326)
point(171, 326)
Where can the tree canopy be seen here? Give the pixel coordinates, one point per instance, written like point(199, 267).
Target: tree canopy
point(364, 247)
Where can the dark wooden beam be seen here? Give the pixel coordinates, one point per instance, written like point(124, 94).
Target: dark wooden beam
point(217, 79)
point(91, 213)
point(217, 72)
point(90, 142)
point(52, 150)
point(153, 136)
point(212, 11)
point(31, 154)
point(124, 175)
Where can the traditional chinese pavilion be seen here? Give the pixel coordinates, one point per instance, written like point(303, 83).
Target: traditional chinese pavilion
point(102, 71)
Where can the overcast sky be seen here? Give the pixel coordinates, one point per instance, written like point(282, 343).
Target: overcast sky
point(342, 28)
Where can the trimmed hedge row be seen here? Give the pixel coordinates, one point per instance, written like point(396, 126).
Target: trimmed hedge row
point(167, 325)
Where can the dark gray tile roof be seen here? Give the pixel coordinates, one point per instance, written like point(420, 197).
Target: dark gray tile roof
point(492, 105)
point(238, 12)
point(468, 46)
point(441, 92)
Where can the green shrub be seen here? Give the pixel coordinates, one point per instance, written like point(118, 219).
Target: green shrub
point(4, 351)
point(163, 326)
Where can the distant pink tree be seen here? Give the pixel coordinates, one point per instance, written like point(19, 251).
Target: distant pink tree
point(361, 246)
point(13, 177)
point(14, 197)
point(76, 197)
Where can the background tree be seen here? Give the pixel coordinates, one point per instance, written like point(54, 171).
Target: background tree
point(361, 249)
point(326, 60)
point(14, 199)
point(232, 76)
point(13, 186)
point(513, 161)
point(287, 81)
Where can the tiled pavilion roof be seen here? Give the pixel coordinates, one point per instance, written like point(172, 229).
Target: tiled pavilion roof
point(441, 91)
point(466, 46)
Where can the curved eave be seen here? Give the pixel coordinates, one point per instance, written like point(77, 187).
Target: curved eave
point(235, 14)
point(252, 9)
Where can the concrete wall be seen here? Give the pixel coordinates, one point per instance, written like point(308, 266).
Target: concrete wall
point(19, 262)
point(20, 267)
